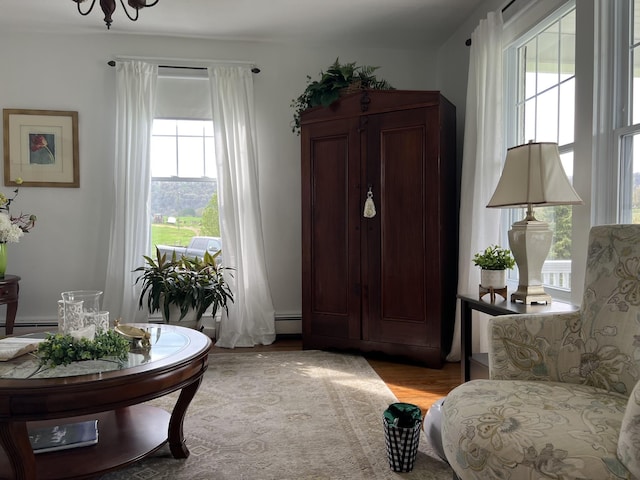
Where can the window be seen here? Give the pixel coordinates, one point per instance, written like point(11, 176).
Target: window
point(627, 128)
point(540, 107)
point(184, 198)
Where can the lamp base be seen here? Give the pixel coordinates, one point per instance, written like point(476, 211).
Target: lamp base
point(529, 294)
point(530, 241)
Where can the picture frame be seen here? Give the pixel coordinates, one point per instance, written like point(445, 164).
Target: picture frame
point(41, 148)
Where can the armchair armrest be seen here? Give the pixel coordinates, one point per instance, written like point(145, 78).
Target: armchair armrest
point(526, 347)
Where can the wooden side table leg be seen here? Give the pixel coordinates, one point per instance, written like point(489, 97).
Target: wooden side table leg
point(12, 309)
point(465, 339)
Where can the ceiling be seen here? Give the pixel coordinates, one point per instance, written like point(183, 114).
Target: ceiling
point(376, 23)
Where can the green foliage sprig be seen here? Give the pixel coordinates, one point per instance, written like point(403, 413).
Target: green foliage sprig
point(494, 258)
point(60, 349)
point(329, 88)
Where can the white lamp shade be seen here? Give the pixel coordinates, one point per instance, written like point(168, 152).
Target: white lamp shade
point(533, 175)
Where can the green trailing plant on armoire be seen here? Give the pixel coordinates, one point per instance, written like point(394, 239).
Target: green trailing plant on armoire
point(338, 80)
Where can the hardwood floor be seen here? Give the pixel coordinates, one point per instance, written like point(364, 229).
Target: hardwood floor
point(409, 383)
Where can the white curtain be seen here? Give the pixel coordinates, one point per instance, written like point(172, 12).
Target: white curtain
point(482, 159)
point(251, 316)
point(135, 97)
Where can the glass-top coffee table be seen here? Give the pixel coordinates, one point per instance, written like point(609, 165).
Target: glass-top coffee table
point(128, 429)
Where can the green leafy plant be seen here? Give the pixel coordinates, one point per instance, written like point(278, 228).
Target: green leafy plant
point(332, 85)
point(187, 283)
point(494, 258)
point(60, 349)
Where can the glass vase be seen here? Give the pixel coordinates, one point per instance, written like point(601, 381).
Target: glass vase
point(3, 259)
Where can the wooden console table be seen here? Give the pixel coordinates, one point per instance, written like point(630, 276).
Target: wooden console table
point(129, 429)
point(9, 289)
point(477, 365)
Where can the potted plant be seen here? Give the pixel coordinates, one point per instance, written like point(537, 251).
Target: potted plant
point(494, 262)
point(339, 79)
point(183, 287)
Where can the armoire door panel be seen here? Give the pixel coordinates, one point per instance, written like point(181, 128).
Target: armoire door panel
point(398, 252)
point(330, 208)
point(330, 269)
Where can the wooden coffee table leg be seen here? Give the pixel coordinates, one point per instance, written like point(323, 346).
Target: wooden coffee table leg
point(176, 436)
point(15, 441)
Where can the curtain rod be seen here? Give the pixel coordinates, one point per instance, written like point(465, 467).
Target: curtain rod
point(112, 63)
point(468, 41)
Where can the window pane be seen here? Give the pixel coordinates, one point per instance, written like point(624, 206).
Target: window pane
point(529, 126)
point(568, 46)
point(567, 164)
point(163, 157)
point(528, 58)
point(630, 183)
point(636, 21)
point(182, 210)
point(191, 154)
point(210, 158)
point(164, 127)
point(547, 118)
point(635, 86)
point(548, 62)
point(567, 112)
point(191, 128)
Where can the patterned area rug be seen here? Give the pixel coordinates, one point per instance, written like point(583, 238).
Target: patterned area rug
point(286, 416)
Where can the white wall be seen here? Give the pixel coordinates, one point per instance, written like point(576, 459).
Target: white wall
point(67, 249)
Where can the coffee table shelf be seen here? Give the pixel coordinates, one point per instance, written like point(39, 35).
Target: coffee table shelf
point(125, 436)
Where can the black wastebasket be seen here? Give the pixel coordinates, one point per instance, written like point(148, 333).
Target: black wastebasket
point(402, 422)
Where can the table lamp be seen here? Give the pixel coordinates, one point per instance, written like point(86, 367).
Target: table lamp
point(532, 176)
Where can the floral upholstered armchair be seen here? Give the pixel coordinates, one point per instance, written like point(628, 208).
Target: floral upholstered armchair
point(563, 399)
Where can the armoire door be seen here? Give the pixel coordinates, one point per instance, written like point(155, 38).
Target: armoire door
point(331, 231)
point(401, 269)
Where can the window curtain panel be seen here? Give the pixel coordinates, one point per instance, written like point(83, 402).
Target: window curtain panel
point(135, 98)
point(250, 320)
point(482, 159)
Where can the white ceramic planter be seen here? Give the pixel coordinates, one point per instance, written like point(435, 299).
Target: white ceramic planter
point(190, 320)
point(493, 278)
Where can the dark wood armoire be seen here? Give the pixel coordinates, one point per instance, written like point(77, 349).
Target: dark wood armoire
point(384, 283)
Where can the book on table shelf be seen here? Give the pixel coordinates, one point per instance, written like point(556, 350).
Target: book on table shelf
point(12, 347)
point(62, 437)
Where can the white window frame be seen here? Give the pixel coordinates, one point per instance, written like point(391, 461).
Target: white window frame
point(524, 25)
point(623, 127)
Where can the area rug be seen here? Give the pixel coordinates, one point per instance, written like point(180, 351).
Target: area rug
point(285, 416)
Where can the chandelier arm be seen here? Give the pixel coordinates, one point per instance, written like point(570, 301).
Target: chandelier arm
point(152, 4)
point(124, 7)
point(78, 2)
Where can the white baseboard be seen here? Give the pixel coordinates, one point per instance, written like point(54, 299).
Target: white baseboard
point(285, 325)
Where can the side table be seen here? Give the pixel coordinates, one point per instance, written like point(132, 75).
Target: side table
point(477, 365)
point(9, 289)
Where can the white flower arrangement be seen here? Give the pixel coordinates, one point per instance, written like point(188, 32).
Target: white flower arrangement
point(13, 227)
point(9, 231)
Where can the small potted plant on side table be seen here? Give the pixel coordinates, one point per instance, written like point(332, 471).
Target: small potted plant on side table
point(494, 263)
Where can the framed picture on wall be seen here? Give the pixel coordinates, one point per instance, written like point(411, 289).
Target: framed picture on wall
point(41, 148)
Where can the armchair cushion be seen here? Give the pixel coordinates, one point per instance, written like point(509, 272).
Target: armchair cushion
point(523, 429)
